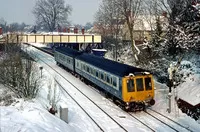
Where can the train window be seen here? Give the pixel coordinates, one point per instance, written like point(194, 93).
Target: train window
point(130, 85)
point(77, 64)
point(88, 69)
point(92, 71)
point(148, 84)
point(108, 79)
point(84, 67)
point(114, 81)
point(97, 74)
point(102, 76)
point(139, 83)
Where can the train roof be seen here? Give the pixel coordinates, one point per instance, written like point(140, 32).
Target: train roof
point(109, 65)
point(68, 51)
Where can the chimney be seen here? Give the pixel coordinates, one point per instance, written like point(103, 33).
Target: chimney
point(1, 30)
point(83, 31)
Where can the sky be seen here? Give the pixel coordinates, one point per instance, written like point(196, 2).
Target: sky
point(21, 10)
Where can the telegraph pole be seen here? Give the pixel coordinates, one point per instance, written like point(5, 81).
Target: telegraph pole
point(171, 70)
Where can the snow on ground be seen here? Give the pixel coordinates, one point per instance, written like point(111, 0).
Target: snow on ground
point(189, 91)
point(32, 115)
point(191, 84)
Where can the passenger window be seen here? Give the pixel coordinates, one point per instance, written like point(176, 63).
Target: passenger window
point(114, 81)
point(130, 85)
point(148, 84)
point(102, 76)
point(108, 79)
point(84, 67)
point(87, 69)
point(94, 72)
point(97, 74)
point(139, 83)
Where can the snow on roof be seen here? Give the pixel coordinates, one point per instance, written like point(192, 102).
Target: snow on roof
point(99, 50)
point(148, 22)
point(189, 91)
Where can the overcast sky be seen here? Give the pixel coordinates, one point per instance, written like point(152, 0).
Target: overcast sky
point(21, 10)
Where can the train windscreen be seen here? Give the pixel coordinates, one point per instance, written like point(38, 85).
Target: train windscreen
point(139, 83)
point(148, 84)
point(130, 85)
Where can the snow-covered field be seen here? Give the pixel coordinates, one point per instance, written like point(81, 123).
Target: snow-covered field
point(33, 116)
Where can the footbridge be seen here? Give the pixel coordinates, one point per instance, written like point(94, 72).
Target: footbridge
point(72, 40)
point(51, 38)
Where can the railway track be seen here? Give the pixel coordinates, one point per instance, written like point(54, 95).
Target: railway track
point(149, 116)
point(157, 117)
point(168, 121)
point(99, 125)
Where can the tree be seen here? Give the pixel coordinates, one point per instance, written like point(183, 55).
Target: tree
point(184, 26)
point(130, 9)
point(109, 22)
point(3, 25)
point(19, 73)
point(88, 25)
point(53, 96)
point(51, 13)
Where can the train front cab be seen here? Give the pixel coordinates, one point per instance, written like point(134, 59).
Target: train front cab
point(138, 91)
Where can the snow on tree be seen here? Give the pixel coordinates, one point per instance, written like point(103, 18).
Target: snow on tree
point(184, 26)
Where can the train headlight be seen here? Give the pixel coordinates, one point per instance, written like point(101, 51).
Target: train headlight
point(147, 73)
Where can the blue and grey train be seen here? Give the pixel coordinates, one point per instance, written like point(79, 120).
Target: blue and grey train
point(130, 87)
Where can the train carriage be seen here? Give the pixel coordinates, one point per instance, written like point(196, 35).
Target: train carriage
point(131, 87)
point(65, 57)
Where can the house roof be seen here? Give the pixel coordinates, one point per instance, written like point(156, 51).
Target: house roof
point(148, 22)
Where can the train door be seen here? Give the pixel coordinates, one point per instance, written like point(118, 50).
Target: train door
point(144, 88)
point(128, 89)
point(140, 88)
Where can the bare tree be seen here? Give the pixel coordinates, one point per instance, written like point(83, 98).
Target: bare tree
point(3, 24)
point(106, 17)
point(53, 96)
point(18, 73)
point(131, 9)
point(109, 22)
point(51, 13)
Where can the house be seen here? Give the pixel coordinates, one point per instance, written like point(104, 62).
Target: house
point(143, 27)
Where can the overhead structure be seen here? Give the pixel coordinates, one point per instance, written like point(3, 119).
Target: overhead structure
point(53, 38)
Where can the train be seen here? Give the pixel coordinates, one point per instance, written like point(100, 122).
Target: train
point(129, 87)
